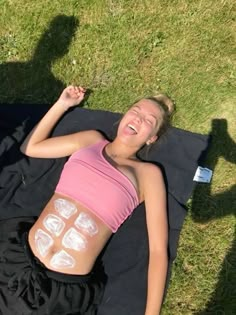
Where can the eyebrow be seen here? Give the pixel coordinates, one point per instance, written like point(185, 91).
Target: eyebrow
point(137, 106)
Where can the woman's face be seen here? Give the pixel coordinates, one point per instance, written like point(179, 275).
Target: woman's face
point(140, 123)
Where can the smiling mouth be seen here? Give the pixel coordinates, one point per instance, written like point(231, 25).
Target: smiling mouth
point(133, 128)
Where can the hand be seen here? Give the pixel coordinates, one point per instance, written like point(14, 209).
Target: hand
point(71, 96)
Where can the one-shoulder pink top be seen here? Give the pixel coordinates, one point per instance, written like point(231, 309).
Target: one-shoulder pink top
point(90, 179)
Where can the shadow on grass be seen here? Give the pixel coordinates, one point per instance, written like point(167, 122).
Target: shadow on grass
point(33, 81)
point(207, 207)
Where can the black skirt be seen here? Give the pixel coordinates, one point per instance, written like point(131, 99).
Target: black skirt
point(28, 287)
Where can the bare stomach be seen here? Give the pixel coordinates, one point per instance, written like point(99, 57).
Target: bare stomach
point(68, 237)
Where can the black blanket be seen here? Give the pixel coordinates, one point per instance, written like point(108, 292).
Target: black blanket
point(26, 184)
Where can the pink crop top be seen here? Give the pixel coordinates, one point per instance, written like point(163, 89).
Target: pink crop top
point(90, 179)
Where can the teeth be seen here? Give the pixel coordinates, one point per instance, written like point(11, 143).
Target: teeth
point(132, 127)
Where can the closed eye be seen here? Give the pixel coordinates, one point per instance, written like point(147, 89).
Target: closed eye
point(150, 121)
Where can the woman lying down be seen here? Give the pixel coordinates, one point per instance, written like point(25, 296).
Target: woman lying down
point(47, 265)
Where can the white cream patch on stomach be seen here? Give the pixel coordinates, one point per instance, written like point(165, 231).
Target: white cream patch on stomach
point(65, 208)
point(74, 240)
point(86, 223)
point(43, 242)
point(54, 224)
point(61, 260)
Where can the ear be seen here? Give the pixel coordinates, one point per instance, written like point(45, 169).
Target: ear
point(152, 139)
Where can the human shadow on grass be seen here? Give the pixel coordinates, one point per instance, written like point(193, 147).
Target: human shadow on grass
point(33, 81)
point(206, 207)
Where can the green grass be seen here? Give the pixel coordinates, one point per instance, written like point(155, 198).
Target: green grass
point(123, 50)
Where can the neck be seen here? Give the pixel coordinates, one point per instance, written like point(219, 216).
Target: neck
point(116, 149)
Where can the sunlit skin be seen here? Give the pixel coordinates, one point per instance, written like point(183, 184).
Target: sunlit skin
point(143, 117)
point(139, 126)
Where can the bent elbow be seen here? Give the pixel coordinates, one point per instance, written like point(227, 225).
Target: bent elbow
point(25, 149)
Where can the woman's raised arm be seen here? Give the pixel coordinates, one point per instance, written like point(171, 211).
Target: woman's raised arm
point(38, 143)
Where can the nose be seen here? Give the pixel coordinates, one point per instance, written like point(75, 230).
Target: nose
point(139, 118)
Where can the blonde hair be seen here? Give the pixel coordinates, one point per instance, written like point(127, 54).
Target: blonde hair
point(167, 107)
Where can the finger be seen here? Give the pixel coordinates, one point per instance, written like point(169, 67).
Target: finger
point(70, 88)
point(76, 89)
point(82, 89)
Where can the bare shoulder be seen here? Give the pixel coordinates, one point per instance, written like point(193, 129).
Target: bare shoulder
point(92, 136)
point(150, 178)
point(87, 137)
point(148, 170)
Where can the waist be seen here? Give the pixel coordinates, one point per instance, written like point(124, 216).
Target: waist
point(58, 276)
point(68, 237)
